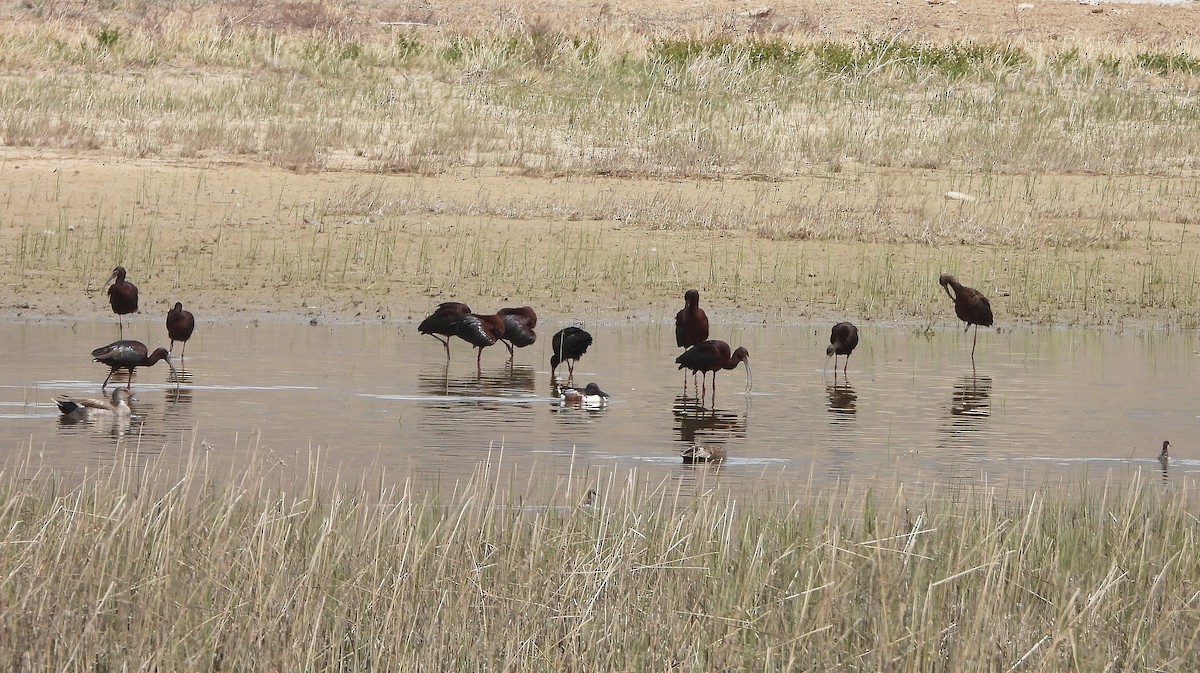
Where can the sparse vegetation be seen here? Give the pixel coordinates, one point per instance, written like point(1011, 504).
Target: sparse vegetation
point(190, 567)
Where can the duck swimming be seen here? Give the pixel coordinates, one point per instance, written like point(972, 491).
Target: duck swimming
point(703, 453)
point(90, 408)
point(590, 395)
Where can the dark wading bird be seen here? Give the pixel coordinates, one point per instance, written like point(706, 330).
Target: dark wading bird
point(970, 306)
point(122, 296)
point(691, 323)
point(843, 339)
point(443, 322)
point(1165, 456)
point(128, 355)
point(180, 325)
point(480, 331)
point(90, 408)
point(713, 356)
point(569, 344)
point(518, 327)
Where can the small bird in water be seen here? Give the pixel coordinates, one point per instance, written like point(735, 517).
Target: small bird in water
point(842, 341)
point(518, 327)
point(569, 344)
point(703, 453)
point(90, 408)
point(128, 355)
point(591, 395)
point(122, 296)
point(1164, 456)
point(970, 306)
point(443, 322)
point(180, 325)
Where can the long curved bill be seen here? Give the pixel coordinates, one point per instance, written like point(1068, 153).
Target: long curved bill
point(749, 375)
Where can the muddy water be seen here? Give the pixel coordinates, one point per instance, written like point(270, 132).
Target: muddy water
point(1039, 406)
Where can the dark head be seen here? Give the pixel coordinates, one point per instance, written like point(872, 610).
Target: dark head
point(947, 281)
point(161, 354)
point(829, 350)
point(178, 308)
point(1166, 445)
point(691, 297)
point(593, 389)
point(743, 356)
point(118, 275)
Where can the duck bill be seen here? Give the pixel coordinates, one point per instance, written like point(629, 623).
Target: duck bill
point(749, 375)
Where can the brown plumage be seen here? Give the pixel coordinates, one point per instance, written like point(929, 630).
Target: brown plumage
point(569, 344)
point(180, 325)
point(713, 356)
point(691, 323)
point(122, 296)
point(443, 322)
point(970, 306)
point(128, 355)
point(480, 331)
point(843, 339)
point(518, 327)
point(703, 453)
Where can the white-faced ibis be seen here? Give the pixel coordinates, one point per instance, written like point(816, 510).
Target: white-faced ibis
point(480, 331)
point(122, 296)
point(970, 306)
point(713, 356)
point(180, 325)
point(569, 344)
point(691, 324)
point(843, 339)
point(703, 453)
point(128, 355)
point(88, 408)
point(518, 327)
point(443, 322)
point(1165, 456)
point(590, 395)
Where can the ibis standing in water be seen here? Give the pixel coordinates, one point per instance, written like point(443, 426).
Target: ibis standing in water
point(128, 355)
point(569, 344)
point(480, 331)
point(713, 356)
point(691, 323)
point(180, 325)
point(122, 296)
point(518, 327)
point(843, 339)
point(970, 306)
point(443, 322)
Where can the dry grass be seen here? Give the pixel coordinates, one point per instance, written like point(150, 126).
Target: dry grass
point(187, 568)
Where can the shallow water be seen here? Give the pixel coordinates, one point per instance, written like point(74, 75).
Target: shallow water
point(1039, 406)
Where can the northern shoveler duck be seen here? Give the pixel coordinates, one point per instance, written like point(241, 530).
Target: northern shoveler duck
point(590, 395)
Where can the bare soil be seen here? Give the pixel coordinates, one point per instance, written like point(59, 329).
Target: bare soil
point(230, 238)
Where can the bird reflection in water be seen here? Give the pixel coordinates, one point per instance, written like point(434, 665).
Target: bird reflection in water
point(698, 424)
point(503, 381)
point(843, 401)
point(970, 406)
